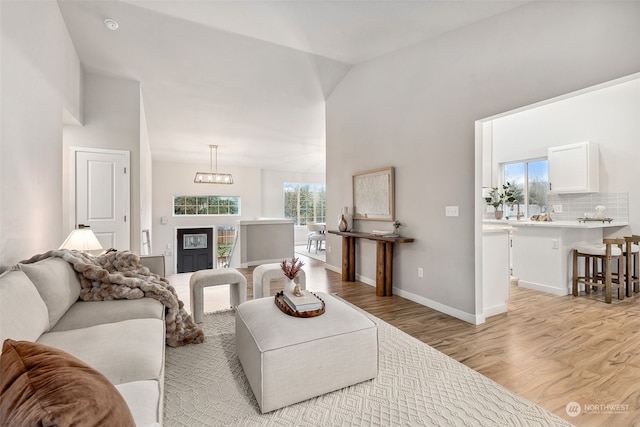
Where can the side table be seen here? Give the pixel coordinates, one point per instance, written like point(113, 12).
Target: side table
point(384, 258)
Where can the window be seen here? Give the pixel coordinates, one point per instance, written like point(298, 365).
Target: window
point(226, 240)
point(206, 205)
point(305, 203)
point(531, 181)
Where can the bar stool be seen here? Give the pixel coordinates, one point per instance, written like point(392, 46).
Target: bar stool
point(598, 267)
point(631, 251)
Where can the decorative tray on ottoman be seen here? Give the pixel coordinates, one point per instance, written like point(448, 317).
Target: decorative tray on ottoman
point(286, 309)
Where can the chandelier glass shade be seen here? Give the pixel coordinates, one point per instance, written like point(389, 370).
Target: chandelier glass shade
point(213, 177)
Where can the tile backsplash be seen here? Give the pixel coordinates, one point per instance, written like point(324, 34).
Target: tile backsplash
point(577, 205)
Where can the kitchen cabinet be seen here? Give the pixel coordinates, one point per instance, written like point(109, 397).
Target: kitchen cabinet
point(573, 168)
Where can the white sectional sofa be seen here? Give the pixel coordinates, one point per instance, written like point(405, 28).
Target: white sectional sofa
point(124, 340)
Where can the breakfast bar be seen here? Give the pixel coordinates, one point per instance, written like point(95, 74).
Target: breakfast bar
point(384, 258)
point(541, 251)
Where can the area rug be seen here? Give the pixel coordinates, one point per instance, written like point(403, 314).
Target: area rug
point(416, 386)
point(302, 250)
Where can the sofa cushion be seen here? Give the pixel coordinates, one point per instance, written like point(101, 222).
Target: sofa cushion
point(41, 385)
point(57, 282)
point(145, 400)
point(23, 313)
point(84, 314)
point(131, 350)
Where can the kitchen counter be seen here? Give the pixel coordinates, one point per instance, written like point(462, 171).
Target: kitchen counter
point(496, 228)
point(542, 251)
point(554, 224)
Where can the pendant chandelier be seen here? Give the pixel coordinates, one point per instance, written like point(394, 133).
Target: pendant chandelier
point(213, 177)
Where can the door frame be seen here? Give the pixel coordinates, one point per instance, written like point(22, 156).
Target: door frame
point(214, 261)
point(73, 185)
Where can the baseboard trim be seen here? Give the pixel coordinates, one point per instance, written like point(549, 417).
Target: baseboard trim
point(263, 261)
point(332, 268)
point(543, 288)
point(443, 308)
point(451, 311)
point(496, 309)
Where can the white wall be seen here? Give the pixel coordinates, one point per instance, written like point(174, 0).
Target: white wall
point(111, 121)
point(608, 116)
point(415, 109)
point(40, 76)
point(146, 177)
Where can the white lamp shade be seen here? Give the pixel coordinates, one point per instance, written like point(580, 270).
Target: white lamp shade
point(81, 239)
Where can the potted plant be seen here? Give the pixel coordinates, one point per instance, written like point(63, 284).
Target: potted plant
point(498, 198)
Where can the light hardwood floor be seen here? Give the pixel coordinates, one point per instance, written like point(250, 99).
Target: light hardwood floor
point(551, 350)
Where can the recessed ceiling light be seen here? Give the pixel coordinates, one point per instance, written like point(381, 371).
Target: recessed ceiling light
point(111, 24)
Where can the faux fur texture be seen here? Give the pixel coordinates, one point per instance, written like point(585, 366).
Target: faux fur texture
point(119, 275)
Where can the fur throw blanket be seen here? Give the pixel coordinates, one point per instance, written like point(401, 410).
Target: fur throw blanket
point(119, 275)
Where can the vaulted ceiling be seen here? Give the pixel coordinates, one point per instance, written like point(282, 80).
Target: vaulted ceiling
point(250, 76)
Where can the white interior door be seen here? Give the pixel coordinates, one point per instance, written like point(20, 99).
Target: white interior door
point(102, 194)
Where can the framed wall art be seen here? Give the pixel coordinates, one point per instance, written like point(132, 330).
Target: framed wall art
point(373, 197)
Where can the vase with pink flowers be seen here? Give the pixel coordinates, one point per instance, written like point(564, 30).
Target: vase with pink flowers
point(291, 270)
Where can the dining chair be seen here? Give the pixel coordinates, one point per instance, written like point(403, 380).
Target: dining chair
point(316, 236)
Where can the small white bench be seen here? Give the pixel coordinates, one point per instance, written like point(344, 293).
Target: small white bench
point(222, 276)
point(289, 359)
point(265, 273)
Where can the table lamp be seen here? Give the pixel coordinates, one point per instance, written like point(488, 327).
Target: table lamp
point(82, 239)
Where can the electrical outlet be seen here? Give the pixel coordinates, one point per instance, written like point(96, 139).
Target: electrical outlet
point(420, 272)
point(555, 244)
point(451, 211)
point(557, 208)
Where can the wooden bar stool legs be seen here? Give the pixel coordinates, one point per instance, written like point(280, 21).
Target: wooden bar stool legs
point(632, 264)
point(598, 267)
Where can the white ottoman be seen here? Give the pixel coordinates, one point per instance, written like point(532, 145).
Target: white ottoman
point(265, 273)
point(289, 359)
point(222, 276)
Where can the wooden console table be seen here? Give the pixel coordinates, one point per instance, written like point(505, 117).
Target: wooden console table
point(384, 258)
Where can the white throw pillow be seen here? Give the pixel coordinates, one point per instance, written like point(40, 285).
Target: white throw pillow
point(58, 285)
point(23, 313)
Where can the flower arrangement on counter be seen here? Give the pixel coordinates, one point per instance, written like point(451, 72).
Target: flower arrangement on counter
point(291, 268)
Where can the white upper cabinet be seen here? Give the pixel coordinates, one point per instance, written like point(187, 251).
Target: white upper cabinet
point(573, 168)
